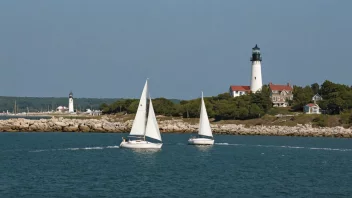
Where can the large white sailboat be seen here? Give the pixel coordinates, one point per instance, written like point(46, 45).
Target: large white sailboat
point(143, 126)
point(205, 136)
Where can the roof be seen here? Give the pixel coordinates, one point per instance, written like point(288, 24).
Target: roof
point(286, 87)
point(317, 96)
point(240, 88)
point(311, 105)
point(61, 107)
point(256, 47)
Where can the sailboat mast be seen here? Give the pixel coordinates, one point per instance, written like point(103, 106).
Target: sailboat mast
point(200, 114)
point(146, 114)
point(15, 109)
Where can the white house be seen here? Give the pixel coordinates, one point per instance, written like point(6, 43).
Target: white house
point(93, 112)
point(239, 90)
point(311, 109)
point(62, 109)
point(317, 98)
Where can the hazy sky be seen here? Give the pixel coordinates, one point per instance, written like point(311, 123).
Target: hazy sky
point(108, 48)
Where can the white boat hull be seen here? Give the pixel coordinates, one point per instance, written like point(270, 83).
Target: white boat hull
point(140, 144)
point(200, 141)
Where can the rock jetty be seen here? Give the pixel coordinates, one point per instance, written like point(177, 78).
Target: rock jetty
point(166, 126)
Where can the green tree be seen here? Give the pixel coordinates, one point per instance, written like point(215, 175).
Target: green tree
point(255, 111)
point(224, 110)
point(163, 106)
point(262, 99)
point(301, 97)
point(243, 113)
point(337, 97)
point(132, 106)
point(315, 88)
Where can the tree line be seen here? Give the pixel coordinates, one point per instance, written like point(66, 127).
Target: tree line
point(38, 104)
point(337, 98)
point(220, 107)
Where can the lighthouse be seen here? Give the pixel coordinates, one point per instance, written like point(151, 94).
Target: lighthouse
point(70, 103)
point(256, 79)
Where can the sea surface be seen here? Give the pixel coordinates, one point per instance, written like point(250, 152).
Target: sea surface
point(92, 165)
point(31, 117)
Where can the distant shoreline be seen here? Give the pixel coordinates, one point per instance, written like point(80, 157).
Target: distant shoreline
point(106, 125)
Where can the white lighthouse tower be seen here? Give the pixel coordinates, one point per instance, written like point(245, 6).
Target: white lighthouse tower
point(256, 80)
point(70, 103)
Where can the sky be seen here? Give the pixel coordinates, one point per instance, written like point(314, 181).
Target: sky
point(108, 48)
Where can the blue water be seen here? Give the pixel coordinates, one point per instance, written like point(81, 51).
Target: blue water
point(6, 117)
point(91, 165)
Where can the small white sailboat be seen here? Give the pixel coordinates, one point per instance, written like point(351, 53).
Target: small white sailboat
point(143, 127)
point(205, 136)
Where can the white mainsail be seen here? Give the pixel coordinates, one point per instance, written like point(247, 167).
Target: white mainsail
point(138, 127)
point(204, 125)
point(152, 129)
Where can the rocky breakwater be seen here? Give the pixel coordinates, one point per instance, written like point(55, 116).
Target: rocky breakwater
point(63, 125)
point(239, 129)
point(167, 126)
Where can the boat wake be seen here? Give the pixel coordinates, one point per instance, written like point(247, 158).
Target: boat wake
point(331, 149)
point(227, 144)
point(75, 149)
point(112, 147)
point(221, 143)
point(275, 146)
point(284, 146)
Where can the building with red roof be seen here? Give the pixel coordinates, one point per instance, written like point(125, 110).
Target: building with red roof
point(311, 108)
point(239, 90)
point(281, 94)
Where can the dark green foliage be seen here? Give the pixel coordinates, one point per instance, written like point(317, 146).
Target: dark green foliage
point(321, 120)
point(255, 111)
point(346, 118)
point(262, 99)
point(124, 105)
point(301, 97)
point(163, 106)
point(337, 98)
point(221, 107)
point(190, 108)
point(315, 88)
point(225, 109)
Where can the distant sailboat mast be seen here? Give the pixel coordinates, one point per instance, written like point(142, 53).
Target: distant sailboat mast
point(15, 108)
